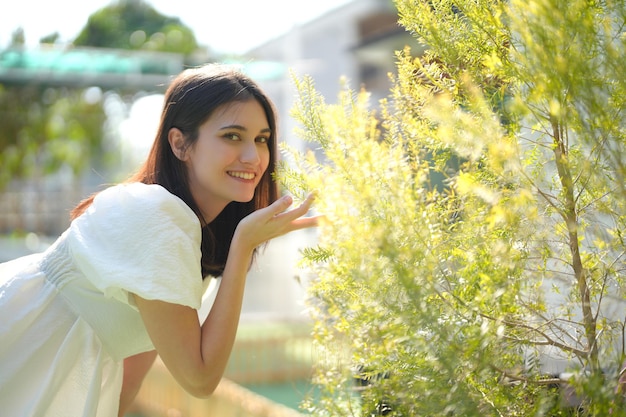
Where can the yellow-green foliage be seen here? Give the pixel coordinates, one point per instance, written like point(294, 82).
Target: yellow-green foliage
point(489, 184)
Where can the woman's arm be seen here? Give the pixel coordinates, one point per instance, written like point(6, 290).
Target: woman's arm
point(196, 355)
point(135, 369)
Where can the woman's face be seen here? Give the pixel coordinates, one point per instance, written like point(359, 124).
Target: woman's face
point(229, 158)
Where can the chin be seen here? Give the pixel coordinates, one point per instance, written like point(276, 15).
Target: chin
point(244, 199)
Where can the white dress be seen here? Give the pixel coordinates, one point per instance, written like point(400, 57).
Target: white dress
point(66, 318)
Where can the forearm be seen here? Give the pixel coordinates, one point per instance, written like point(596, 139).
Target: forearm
point(196, 354)
point(135, 369)
point(220, 327)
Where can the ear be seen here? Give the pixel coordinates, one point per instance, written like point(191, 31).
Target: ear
point(177, 142)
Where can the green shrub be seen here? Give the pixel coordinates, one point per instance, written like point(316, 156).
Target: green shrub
point(474, 218)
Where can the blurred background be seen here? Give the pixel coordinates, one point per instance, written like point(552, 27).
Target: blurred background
point(81, 87)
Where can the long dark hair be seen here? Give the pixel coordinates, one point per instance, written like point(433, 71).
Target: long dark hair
point(190, 100)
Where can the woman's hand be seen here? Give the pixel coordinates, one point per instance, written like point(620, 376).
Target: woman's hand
point(273, 221)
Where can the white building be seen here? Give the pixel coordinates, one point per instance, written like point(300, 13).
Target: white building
point(356, 41)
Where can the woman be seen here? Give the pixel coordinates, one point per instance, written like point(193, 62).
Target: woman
point(125, 280)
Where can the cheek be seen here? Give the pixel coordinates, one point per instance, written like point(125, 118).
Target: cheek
point(212, 155)
point(265, 159)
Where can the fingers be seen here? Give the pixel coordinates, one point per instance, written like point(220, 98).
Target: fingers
point(284, 202)
point(275, 220)
point(297, 212)
point(305, 222)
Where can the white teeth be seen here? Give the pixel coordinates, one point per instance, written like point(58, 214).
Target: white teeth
point(242, 175)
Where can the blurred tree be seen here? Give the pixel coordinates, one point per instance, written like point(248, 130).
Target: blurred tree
point(49, 129)
point(134, 24)
point(481, 297)
point(45, 127)
point(18, 38)
point(51, 38)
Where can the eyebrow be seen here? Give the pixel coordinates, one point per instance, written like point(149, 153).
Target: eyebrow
point(244, 129)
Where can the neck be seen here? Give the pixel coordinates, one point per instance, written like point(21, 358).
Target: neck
point(209, 210)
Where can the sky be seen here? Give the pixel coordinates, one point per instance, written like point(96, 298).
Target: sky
point(228, 26)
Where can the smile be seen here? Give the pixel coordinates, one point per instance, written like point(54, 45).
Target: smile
point(242, 175)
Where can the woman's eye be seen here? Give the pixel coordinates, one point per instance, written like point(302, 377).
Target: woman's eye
point(262, 139)
point(232, 136)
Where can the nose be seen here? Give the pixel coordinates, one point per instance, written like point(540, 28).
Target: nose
point(250, 153)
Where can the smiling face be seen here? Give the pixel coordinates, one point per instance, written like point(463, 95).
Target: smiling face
point(229, 157)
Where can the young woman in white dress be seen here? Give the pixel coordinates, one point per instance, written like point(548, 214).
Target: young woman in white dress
point(83, 321)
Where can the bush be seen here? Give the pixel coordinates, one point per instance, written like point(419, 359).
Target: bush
point(472, 258)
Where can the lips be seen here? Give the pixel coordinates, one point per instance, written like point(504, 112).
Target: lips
point(242, 175)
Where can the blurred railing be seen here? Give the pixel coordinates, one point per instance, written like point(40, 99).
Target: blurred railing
point(42, 212)
point(52, 65)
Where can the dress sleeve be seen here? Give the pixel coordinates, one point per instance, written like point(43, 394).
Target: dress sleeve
point(141, 239)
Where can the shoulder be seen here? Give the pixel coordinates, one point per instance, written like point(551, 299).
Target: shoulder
point(139, 196)
point(139, 205)
point(141, 239)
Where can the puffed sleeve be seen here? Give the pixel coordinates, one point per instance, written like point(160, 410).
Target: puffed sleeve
point(141, 239)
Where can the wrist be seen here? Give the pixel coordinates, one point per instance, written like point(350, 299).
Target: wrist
point(240, 245)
